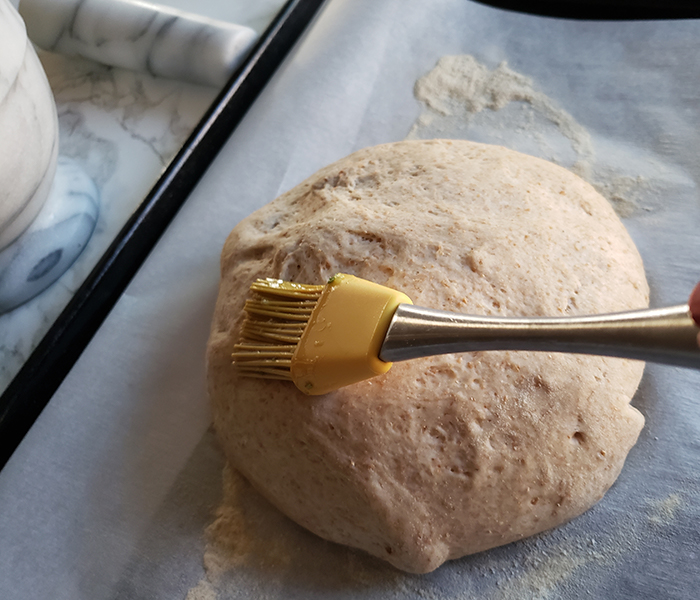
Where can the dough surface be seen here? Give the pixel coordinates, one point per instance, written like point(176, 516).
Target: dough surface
point(448, 455)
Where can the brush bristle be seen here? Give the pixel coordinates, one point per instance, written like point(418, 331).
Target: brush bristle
point(276, 315)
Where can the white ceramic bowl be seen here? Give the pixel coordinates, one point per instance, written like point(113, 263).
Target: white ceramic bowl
point(28, 128)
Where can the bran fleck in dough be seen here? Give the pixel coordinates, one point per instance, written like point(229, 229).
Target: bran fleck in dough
point(448, 455)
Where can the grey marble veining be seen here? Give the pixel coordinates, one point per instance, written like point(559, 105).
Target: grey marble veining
point(137, 35)
point(46, 217)
point(122, 127)
point(54, 239)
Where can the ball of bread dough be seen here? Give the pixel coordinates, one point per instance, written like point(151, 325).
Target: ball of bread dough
point(450, 455)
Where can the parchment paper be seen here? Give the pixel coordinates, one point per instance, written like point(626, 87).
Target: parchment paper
point(109, 494)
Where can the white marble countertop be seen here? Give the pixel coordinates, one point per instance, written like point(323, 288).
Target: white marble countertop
point(123, 127)
point(110, 493)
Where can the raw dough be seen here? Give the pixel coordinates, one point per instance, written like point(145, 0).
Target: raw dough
point(450, 455)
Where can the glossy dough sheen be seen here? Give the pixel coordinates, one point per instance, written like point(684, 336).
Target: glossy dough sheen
point(451, 455)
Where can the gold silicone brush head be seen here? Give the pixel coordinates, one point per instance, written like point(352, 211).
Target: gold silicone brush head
point(321, 337)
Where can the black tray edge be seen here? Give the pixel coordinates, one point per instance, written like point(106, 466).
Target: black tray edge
point(603, 10)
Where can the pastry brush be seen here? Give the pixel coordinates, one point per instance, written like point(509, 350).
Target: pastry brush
point(323, 337)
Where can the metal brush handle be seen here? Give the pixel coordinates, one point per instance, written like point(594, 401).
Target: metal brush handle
point(666, 335)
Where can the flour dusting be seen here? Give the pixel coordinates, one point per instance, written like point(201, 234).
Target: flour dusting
point(253, 551)
point(204, 590)
point(625, 193)
point(464, 99)
point(664, 511)
point(461, 86)
point(246, 531)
